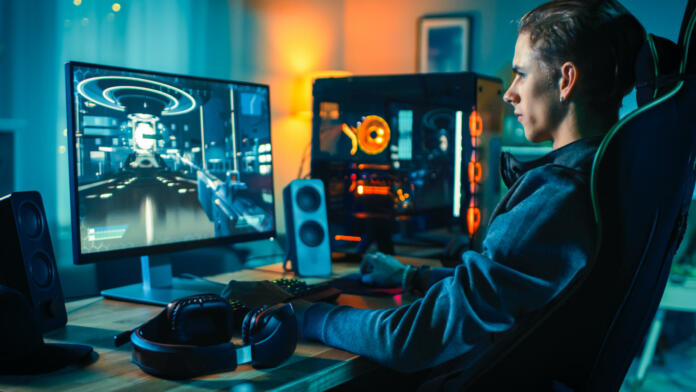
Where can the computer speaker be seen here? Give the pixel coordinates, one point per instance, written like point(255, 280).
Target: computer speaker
point(307, 228)
point(27, 263)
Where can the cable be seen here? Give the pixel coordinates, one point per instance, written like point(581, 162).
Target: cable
point(285, 262)
point(304, 158)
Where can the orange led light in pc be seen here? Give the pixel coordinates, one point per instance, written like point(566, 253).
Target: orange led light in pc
point(372, 136)
point(373, 190)
point(350, 132)
point(474, 172)
point(473, 218)
point(475, 124)
point(363, 166)
point(402, 195)
point(350, 238)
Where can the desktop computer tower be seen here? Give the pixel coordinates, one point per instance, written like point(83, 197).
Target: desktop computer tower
point(402, 156)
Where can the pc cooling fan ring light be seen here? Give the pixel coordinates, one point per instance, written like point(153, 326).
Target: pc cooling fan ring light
point(135, 95)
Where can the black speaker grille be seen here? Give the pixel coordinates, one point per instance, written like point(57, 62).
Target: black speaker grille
point(308, 199)
point(30, 220)
point(311, 233)
point(41, 270)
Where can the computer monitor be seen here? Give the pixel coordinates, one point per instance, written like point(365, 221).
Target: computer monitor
point(405, 156)
point(161, 163)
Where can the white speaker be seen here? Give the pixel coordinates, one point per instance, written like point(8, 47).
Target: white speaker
point(306, 227)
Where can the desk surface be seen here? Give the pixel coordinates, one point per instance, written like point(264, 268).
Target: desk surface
point(95, 321)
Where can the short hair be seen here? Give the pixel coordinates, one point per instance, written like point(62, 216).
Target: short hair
point(600, 36)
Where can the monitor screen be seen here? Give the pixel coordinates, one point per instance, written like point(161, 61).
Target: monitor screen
point(163, 162)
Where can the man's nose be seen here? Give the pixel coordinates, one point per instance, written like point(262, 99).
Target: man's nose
point(510, 96)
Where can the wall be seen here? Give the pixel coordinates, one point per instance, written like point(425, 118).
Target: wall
point(382, 36)
point(292, 40)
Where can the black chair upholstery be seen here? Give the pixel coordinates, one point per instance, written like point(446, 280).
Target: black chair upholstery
point(643, 180)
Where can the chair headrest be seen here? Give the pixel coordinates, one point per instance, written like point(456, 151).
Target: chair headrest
point(657, 65)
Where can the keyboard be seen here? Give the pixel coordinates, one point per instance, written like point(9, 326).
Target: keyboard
point(299, 289)
point(320, 292)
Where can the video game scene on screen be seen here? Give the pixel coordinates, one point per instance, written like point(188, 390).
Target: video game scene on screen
point(165, 159)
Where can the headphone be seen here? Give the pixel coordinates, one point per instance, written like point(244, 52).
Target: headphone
point(191, 337)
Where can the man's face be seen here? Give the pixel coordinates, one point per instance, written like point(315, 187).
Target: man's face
point(532, 94)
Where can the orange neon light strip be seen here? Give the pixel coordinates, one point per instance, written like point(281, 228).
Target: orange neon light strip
point(363, 166)
point(347, 238)
point(373, 190)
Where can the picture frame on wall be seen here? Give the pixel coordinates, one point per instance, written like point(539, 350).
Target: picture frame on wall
point(444, 43)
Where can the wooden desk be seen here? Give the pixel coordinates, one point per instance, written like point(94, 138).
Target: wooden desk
point(95, 321)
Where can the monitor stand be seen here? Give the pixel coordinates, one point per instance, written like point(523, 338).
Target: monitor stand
point(159, 287)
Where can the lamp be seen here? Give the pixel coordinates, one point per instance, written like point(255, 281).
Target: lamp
point(301, 98)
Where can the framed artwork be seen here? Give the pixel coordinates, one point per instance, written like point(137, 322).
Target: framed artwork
point(444, 43)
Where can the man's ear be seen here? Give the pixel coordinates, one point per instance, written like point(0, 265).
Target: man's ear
point(569, 78)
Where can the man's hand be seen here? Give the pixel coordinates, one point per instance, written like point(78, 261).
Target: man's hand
point(255, 293)
point(381, 270)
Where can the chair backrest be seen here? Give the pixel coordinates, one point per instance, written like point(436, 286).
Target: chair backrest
point(642, 183)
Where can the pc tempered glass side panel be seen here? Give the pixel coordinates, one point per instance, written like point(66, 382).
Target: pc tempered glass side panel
point(166, 162)
point(412, 179)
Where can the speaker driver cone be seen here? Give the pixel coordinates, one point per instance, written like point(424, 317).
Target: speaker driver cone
point(308, 199)
point(41, 271)
point(30, 220)
point(311, 233)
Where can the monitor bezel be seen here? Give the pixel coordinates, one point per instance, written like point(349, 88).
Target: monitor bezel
point(87, 258)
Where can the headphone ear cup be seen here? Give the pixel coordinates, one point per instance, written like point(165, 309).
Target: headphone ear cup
point(272, 334)
point(248, 324)
point(201, 320)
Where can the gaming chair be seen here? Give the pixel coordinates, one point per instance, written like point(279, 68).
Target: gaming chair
point(642, 183)
point(642, 204)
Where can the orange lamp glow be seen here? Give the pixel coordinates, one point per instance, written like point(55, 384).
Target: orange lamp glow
point(301, 93)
